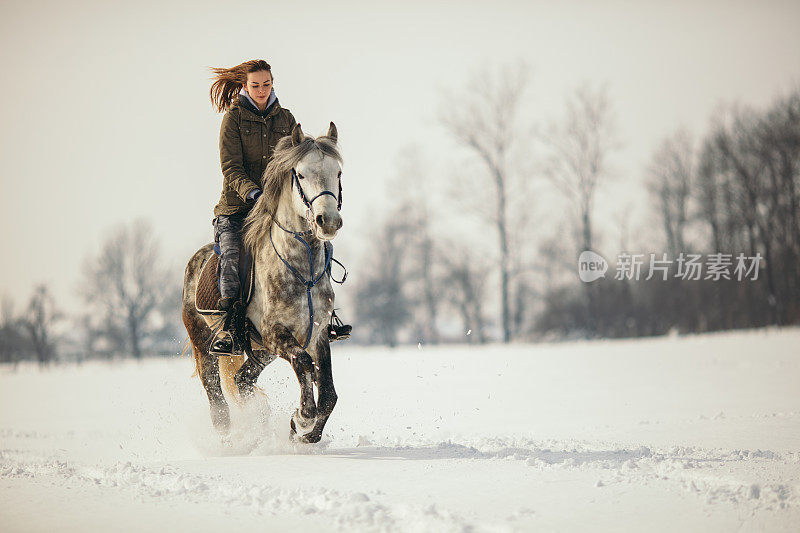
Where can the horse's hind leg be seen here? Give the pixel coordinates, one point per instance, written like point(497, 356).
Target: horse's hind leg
point(247, 373)
point(208, 369)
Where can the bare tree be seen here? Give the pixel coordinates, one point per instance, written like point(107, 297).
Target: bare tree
point(12, 341)
point(483, 119)
point(466, 291)
point(779, 147)
point(750, 194)
point(38, 321)
point(580, 148)
point(170, 326)
point(420, 269)
point(383, 308)
point(125, 283)
point(581, 145)
point(421, 263)
point(670, 182)
point(708, 192)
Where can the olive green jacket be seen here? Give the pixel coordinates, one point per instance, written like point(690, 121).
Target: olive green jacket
point(246, 143)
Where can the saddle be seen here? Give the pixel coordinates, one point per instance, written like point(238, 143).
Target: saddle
point(207, 294)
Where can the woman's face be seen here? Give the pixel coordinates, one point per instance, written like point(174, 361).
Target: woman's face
point(259, 85)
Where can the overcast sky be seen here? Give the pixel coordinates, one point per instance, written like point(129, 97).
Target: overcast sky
point(106, 116)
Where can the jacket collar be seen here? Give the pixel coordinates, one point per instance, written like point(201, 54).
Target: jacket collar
point(247, 104)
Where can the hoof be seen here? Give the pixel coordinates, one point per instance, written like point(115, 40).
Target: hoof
point(302, 430)
point(301, 424)
point(310, 438)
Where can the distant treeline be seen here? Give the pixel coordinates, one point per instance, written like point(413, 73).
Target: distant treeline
point(737, 194)
point(130, 308)
point(736, 191)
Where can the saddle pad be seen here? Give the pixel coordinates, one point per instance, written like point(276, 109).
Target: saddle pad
point(207, 294)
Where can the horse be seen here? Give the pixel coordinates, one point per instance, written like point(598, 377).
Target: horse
point(288, 231)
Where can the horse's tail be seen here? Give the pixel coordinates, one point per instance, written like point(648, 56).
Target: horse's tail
point(197, 366)
point(186, 347)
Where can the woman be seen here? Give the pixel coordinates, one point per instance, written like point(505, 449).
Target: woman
point(253, 123)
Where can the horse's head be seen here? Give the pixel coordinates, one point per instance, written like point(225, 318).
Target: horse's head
point(316, 182)
point(302, 188)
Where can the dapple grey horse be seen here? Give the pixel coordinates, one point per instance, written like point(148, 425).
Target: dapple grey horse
point(288, 231)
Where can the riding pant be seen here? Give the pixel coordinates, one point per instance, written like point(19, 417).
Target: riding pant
point(228, 234)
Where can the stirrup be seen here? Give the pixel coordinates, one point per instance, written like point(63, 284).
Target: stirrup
point(222, 345)
point(337, 330)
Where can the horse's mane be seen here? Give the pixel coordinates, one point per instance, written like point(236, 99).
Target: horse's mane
point(276, 178)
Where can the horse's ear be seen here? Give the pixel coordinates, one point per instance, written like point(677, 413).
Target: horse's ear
point(333, 133)
point(297, 135)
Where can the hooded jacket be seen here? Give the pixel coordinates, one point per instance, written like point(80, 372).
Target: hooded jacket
point(247, 139)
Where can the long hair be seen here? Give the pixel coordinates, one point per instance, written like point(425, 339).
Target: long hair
point(229, 81)
point(276, 178)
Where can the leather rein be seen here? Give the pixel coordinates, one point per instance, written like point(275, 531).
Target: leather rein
point(312, 281)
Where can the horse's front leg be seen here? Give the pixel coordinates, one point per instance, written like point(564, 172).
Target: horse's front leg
point(280, 341)
point(326, 392)
point(247, 375)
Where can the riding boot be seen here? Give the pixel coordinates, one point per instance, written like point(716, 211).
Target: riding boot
point(337, 330)
point(223, 342)
point(227, 233)
point(233, 337)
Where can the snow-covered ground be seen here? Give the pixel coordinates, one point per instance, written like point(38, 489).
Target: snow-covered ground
point(671, 434)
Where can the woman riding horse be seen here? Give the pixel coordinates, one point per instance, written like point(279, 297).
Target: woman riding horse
point(253, 123)
point(289, 231)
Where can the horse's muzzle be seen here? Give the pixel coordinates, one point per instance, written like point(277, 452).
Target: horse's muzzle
point(329, 223)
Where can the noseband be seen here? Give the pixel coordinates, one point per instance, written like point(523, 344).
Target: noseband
point(308, 202)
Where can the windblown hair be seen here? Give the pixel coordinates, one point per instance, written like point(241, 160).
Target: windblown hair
point(277, 176)
point(229, 81)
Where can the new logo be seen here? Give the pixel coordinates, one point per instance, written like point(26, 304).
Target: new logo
point(591, 266)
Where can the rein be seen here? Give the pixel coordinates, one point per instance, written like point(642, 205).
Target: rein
point(312, 281)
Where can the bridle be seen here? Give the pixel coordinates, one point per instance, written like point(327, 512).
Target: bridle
point(307, 202)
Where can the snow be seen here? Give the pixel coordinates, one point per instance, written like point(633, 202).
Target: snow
point(697, 433)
